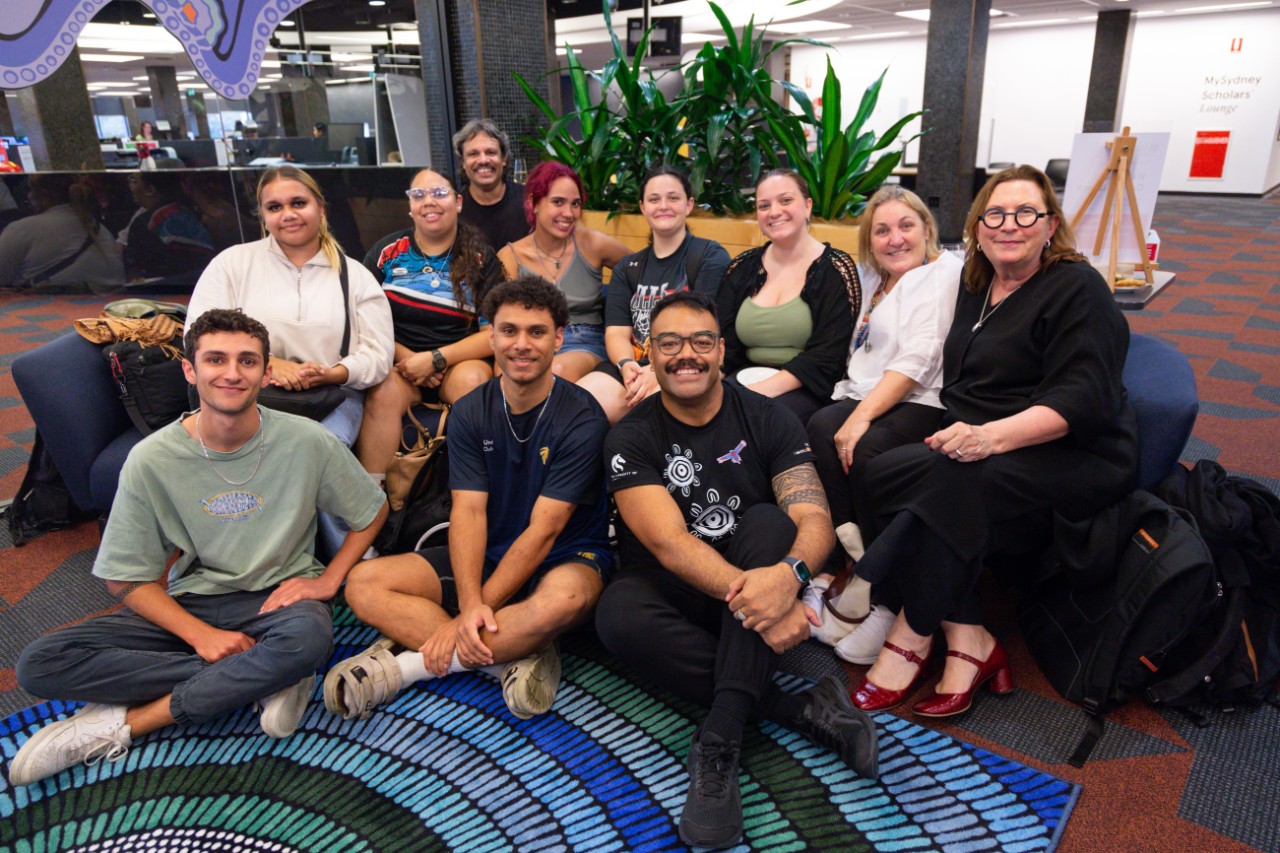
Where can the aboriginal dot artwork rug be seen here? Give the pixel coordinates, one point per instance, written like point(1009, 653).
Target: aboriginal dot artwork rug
point(445, 766)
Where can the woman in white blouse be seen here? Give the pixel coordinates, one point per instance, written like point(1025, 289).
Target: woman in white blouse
point(890, 394)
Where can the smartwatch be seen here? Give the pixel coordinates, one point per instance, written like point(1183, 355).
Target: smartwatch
point(438, 361)
point(798, 566)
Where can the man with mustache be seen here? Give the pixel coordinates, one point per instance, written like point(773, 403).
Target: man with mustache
point(722, 512)
point(493, 204)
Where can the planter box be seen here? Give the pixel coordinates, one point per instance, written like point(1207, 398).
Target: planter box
point(736, 235)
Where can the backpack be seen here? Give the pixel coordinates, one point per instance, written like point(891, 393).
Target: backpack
point(423, 519)
point(1099, 643)
point(1233, 660)
point(43, 502)
point(630, 272)
point(150, 380)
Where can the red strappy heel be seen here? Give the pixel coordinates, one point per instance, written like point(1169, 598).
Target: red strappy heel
point(995, 669)
point(872, 697)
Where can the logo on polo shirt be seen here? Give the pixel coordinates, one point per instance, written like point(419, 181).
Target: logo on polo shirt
point(543, 453)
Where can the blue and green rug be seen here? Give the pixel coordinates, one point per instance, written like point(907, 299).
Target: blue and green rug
point(446, 767)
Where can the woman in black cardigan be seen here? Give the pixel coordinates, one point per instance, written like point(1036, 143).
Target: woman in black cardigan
point(1037, 423)
point(763, 324)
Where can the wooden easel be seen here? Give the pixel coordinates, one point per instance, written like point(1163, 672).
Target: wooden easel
point(1118, 173)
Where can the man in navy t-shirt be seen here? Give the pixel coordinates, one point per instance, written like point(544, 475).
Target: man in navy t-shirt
point(528, 537)
point(722, 512)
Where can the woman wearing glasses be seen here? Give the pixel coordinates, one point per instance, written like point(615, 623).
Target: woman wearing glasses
point(569, 257)
point(673, 260)
point(889, 396)
point(788, 307)
point(434, 274)
point(1037, 424)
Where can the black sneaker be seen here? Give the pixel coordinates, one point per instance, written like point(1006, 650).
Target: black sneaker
point(712, 815)
point(831, 719)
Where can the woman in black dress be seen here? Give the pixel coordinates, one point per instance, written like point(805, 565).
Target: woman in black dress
point(1036, 423)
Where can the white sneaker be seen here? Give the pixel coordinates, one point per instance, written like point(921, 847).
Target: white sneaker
point(862, 645)
point(529, 684)
point(362, 682)
point(283, 710)
point(95, 732)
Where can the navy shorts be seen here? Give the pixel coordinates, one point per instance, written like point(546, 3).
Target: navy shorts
point(438, 557)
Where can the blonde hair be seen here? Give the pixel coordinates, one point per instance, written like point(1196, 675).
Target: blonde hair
point(328, 245)
point(884, 195)
point(978, 271)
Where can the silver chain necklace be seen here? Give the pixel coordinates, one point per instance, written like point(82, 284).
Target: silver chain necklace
point(506, 410)
point(262, 447)
point(985, 315)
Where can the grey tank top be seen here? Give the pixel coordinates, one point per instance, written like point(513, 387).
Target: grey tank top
point(582, 286)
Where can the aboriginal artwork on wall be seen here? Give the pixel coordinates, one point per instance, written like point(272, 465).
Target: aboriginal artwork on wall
point(226, 39)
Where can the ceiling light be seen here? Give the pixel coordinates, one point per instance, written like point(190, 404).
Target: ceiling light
point(800, 27)
point(1222, 7)
point(560, 51)
point(870, 36)
point(288, 23)
point(923, 14)
point(377, 2)
point(143, 77)
point(365, 67)
point(1043, 23)
point(122, 94)
point(108, 57)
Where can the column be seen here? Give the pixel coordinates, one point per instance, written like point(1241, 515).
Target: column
point(1106, 78)
point(6, 118)
point(469, 51)
point(59, 120)
point(955, 61)
point(130, 107)
point(166, 99)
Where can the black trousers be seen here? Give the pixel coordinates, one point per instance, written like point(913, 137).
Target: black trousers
point(685, 640)
point(905, 423)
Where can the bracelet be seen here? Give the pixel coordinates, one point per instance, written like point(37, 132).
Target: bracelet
point(623, 362)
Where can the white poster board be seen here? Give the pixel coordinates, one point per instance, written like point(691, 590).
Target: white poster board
point(1089, 158)
point(409, 112)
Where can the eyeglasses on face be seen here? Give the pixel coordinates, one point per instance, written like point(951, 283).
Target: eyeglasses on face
point(669, 343)
point(1025, 216)
point(418, 193)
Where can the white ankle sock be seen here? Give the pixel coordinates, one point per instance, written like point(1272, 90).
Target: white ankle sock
point(414, 669)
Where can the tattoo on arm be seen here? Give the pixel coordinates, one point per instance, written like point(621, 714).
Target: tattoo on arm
point(799, 485)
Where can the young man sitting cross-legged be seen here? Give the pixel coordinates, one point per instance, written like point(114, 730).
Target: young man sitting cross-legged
point(528, 543)
point(235, 487)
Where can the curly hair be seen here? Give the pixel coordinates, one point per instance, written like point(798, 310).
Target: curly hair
point(538, 185)
point(531, 292)
point(978, 271)
point(466, 266)
point(218, 320)
point(486, 126)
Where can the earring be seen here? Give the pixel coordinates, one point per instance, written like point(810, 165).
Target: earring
point(1046, 243)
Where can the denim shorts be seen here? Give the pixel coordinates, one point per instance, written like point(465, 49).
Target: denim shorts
point(584, 337)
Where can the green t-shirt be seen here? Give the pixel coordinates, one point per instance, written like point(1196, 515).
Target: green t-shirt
point(233, 538)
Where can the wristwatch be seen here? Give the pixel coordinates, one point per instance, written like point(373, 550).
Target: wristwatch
point(623, 362)
point(798, 566)
point(438, 361)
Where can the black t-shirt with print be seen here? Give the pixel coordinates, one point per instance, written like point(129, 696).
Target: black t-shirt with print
point(714, 472)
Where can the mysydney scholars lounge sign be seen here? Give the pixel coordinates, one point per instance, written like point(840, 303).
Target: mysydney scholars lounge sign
point(1224, 94)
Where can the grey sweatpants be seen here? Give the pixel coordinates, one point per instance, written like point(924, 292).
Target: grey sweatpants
point(124, 659)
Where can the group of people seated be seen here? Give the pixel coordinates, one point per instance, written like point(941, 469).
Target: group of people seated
point(738, 413)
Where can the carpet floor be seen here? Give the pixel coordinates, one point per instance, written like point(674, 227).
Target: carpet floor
point(1156, 781)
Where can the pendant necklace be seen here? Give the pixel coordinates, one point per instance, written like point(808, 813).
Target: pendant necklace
point(506, 410)
point(985, 315)
point(430, 259)
point(262, 446)
point(547, 255)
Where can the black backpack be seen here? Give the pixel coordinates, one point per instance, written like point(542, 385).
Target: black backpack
point(1100, 642)
point(43, 502)
point(150, 380)
point(1235, 659)
point(423, 521)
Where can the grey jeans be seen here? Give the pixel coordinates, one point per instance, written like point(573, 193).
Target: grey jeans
point(124, 659)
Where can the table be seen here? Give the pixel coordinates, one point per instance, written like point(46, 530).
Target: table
point(1138, 298)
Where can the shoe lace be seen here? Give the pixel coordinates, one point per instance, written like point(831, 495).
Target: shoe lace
point(104, 747)
point(821, 728)
point(715, 762)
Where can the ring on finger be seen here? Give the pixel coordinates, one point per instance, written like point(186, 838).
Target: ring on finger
point(740, 616)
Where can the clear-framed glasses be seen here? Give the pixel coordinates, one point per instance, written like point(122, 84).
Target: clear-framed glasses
point(418, 193)
point(669, 343)
point(1025, 216)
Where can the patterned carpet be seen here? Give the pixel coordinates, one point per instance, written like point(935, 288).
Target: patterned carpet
point(446, 767)
point(1156, 782)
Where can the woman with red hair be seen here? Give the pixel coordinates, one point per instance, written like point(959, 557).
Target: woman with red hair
point(569, 257)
